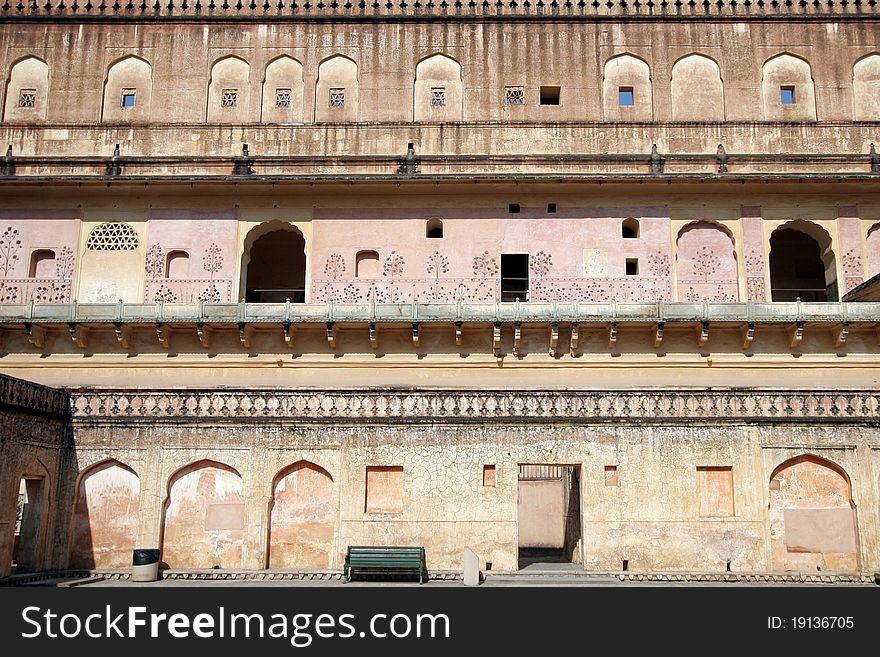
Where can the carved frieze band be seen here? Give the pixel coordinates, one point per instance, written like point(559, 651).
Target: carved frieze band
point(475, 405)
point(30, 396)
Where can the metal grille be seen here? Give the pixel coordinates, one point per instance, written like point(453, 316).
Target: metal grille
point(27, 98)
point(541, 472)
point(229, 98)
point(514, 96)
point(337, 98)
point(282, 98)
point(438, 96)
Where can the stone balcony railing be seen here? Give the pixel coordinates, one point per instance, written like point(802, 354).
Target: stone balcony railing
point(38, 290)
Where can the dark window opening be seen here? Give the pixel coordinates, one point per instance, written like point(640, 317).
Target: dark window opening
point(800, 269)
point(513, 208)
point(550, 95)
point(276, 268)
point(786, 95)
point(630, 229)
point(434, 229)
point(551, 208)
point(632, 266)
point(514, 276)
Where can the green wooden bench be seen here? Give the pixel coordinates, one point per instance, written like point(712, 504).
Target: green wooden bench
point(376, 559)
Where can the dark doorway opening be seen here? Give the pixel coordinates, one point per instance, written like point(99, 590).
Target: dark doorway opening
point(800, 267)
point(549, 516)
point(514, 276)
point(277, 268)
point(28, 525)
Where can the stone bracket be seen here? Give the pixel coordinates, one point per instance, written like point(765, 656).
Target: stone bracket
point(658, 334)
point(204, 332)
point(458, 333)
point(163, 333)
point(573, 342)
point(702, 333)
point(374, 335)
point(123, 334)
point(554, 338)
point(36, 335)
point(795, 335)
point(287, 327)
point(331, 334)
point(417, 334)
point(78, 334)
point(748, 335)
point(840, 334)
point(517, 337)
point(612, 334)
point(496, 339)
point(245, 333)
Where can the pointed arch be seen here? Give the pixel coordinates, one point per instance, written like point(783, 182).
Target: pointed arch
point(784, 77)
point(27, 90)
point(336, 91)
point(229, 91)
point(627, 74)
point(438, 91)
point(273, 263)
point(283, 91)
point(706, 263)
point(302, 517)
point(30, 553)
point(128, 89)
point(802, 263)
point(872, 246)
point(812, 516)
point(204, 517)
point(697, 89)
point(866, 88)
point(105, 516)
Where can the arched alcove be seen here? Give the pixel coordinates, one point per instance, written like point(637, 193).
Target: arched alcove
point(27, 91)
point(787, 89)
point(438, 91)
point(128, 91)
point(697, 90)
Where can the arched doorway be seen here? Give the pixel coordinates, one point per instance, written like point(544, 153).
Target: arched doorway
point(32, 514)
point(204, 517)
point(105, 517)
point(275, 265)
point(301, 518)
point(802, 264)
point(812, 517)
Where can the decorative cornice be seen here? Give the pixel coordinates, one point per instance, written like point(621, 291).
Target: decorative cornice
point(362, 10)
point(474, 406)
point(24, 395)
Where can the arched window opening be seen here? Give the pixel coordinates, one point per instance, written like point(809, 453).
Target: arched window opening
point(434, 229)
point(630, 228)
point(801, 267)
point(366, 264)
point(177, 264)
point(276, 269)
point(42, 264)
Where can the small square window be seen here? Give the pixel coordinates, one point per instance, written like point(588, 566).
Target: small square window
point(550, 95)
point(626, 97)
point(229, 98)
point(27, 98)
point(337, 97)
point(786, 95)
point(438, 96)
point(514, 96)
point(551, 208)
point(128, 98)
point(513, 208)
point(632, 266)
point(282, 98)
point(611, 477)
point(488, 475)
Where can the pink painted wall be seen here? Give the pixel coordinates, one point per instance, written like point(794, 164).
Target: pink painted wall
point(849, 233)
point(755, 253)
point(812, 522)
point(105, 518)
point(706, 264)
point(873, 247)
point(565, 248)
point(301, 534)
point(204, 518)
point(209, 238)
point(21, 233)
